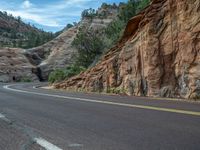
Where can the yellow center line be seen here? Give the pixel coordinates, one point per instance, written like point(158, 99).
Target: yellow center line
point(186, 112)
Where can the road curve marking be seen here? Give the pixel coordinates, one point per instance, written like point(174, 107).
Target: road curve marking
point(2, 116)
point(45, 144)
point(179, 111)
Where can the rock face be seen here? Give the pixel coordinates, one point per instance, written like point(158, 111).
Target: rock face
point(55, 54)
point(159, 55)
point(14, 66)
point(105, 15)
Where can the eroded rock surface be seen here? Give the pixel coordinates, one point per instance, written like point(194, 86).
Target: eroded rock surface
point(57, 53)
point(14, 66)
point(159, 55)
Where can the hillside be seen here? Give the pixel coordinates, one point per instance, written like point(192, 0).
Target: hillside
point(57, 53)
point(60, 52)
point(15, 33)
point(158, 55)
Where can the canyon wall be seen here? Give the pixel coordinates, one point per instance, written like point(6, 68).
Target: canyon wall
point(158, 55)
point(15, 67)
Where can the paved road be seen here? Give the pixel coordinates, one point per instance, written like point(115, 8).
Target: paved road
point(37, 119)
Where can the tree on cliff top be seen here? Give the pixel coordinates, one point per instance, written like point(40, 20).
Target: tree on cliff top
point(89, 13)
point(132, 8)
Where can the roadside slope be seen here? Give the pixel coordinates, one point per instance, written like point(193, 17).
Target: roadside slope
point(158, 55)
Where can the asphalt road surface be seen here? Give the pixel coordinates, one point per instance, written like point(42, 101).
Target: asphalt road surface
point(35, 119)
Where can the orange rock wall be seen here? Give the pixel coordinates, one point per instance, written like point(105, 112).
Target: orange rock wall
point(159, 55)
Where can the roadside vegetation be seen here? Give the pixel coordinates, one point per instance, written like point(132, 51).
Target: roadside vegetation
point(61, 74)
point(92, 44)
point(25, 79)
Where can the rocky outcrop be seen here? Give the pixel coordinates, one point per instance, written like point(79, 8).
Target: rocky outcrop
point(159, 55)
point(14, 66)
point(57, 53)
point(105, 15)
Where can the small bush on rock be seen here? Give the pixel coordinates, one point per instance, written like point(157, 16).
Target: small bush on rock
point(62, 74)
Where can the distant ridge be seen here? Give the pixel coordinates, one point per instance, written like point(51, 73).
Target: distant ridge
point(15, 33)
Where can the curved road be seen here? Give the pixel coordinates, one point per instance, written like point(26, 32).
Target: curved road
point(36, 119)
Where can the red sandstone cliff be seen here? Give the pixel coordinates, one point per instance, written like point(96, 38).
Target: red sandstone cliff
point(159, 55)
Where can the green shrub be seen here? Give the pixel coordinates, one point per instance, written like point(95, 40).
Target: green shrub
point(56, 76)
point(73, 70)
point(89, 45)
point(25, 79)
point(114, 32)
point(62, 74)
point(117, 90)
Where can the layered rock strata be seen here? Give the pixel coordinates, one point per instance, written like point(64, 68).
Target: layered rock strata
point(57, 53)
point(14, 66)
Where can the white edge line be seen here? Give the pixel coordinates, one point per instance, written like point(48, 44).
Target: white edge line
point(40, 141)
point(45, 144)
point(2, 116)
point(187, 112)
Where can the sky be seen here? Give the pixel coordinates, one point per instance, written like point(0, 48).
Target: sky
point(50, 15)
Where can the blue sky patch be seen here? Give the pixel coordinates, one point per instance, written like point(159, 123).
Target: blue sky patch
point(51, 15)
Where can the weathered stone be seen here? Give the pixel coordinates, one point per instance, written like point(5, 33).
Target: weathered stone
point(57, 53)
point(159, 54)
point(14, 66)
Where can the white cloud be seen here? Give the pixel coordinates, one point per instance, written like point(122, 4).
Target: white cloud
point(26, 4)
point(43, 20)
point(56, 14)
